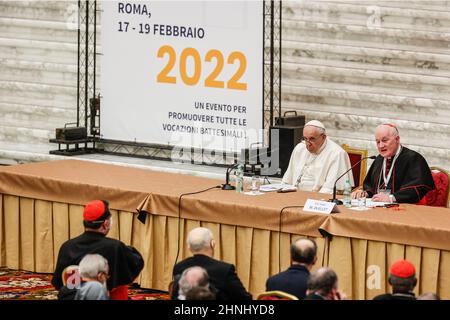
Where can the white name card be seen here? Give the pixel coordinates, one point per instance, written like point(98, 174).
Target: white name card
point(320, 206)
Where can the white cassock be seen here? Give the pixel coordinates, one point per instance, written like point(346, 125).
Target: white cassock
point(318, 172)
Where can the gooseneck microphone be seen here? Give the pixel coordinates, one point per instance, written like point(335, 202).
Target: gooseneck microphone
point(227, 185)
point(337, 201)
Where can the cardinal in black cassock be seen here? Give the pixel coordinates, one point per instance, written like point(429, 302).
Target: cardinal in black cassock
point(402, 172)
point(125, 262)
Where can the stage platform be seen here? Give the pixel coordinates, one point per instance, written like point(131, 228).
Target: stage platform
point(42, 205)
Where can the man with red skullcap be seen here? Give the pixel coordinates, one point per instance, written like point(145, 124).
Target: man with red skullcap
point(398, 174)
point(402, 278)
point(125, 262)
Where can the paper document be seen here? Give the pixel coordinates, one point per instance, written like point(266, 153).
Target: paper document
point(369, 203)
point(276, 187)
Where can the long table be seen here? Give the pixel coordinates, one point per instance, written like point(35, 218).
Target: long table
point(41, 207)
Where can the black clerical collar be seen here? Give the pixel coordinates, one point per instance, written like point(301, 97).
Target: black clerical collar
point(94, 234)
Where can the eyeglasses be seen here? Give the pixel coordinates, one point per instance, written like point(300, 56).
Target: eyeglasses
point(312, 139)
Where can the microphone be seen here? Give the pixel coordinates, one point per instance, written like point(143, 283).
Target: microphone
point(337, 201)
point(227, 185)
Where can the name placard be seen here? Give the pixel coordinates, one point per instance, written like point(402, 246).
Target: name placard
point(319, 206)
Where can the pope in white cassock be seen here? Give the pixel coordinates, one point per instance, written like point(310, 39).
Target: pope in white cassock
point(317, 162)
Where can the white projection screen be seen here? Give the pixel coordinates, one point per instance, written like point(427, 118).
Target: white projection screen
point(182, 73)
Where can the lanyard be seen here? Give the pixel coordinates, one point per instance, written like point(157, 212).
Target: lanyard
point(388, 177)
point(309, 161)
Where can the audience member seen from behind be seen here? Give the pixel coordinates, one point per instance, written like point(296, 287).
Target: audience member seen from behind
point(294, 279)
point(194, 285)
point(191, 278)
point(398, 174)
point(125, 262)
point(221, 275)
point(323, 285)
point(94, 273)
point(200, 293)
point(317, 162)
point(402, 278)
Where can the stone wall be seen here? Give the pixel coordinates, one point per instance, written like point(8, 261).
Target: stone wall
point(350, 64)
point(356, 64)
point(38, 72)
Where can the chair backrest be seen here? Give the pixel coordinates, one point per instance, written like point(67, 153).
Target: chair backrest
point(359, 171)
point(72, 272)
point(276, 295)
point(439, 196)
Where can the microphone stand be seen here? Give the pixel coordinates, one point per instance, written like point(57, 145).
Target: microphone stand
point(227, 185)
point(335, 200)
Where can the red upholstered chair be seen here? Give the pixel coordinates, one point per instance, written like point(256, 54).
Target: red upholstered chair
point(359, 172)
point(119, 293)
point(276, 295)
point(439, 196)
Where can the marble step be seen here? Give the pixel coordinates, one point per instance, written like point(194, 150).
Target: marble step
point(364, 108)
point(38, 72)
point(349, 29)
point(37, 30)
point(25, 135)
point(415, 133)
point(367, 14)
point(379, 59)
point(16, 153)
point(38, 117)
point(34, 50)
point(40, 10)
point(37, 94)
point(365, 42)
point(317, 96)
point(362, 77)
point(374, 37)
point(426, 5)
point(412, 91)
point(404, 74)
point(317, 91)
point(33, 4)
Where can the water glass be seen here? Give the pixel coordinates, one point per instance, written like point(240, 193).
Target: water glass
point(256, 183)
point(362, 202)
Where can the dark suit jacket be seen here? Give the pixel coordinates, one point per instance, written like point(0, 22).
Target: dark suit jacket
point(396, 296)
point(292, 281)
point(221, 275)
point(315, 296)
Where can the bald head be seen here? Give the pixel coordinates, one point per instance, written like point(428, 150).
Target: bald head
point(323, 281)
point(193, 277)
point(199, 239)
point(387, 129)
point(304, 251)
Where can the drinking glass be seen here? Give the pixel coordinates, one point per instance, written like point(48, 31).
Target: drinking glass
point(256, 183)
point(362, 202)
